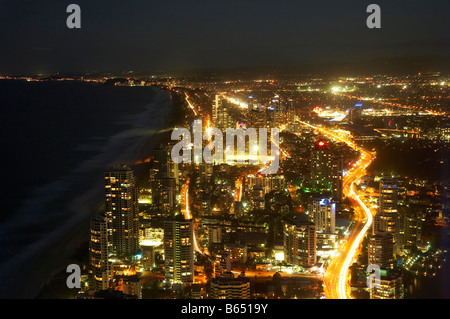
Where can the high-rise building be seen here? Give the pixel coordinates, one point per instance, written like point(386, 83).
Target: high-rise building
point(161, 160)
point(412, 229)
point(220, 114)
point(172, 167)
point(99, 267)
point(274, 112)
point(164, 193)
point(179, 250)
point(321, 167)
point(355, 113)
point(217, 104)
point(122, 211)
point(164, 179)
point(230, 287)
point(168, 194)
point(381, 250)
point(337, 175)
point(290, 111)
point(300, 242)
point(388, 207)
point(387, 219)
point(322, 212)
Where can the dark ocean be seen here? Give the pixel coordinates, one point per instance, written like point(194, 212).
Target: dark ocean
point(57, 138)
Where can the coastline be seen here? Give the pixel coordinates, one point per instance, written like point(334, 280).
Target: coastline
point(77, 238)
point(35, 266)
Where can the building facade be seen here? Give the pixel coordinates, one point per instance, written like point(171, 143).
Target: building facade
point(99, 267)
point(122, 214)
point(381, 250)
point(300, 243)
point(179, 250)
point(230, 288)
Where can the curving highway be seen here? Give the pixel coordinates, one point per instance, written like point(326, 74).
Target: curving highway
point(336, 276)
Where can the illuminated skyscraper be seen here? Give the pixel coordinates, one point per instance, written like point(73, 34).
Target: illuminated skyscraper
point(290, 111)
point(274, 112)
point(381, 250)
point(179, 250)
point(326, 171)
point(337, 175)
point(322, 212)
point(122, 211)
point(321, 166)
point(300, 243)
point(217, 104)
point(387, 219)
point(172, 167)
point(413, 229)
point(387, 205)
point(99, 268)
point(163, 180)
point(220, 114)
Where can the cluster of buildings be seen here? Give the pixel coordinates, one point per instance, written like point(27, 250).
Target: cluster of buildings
point(205, 229)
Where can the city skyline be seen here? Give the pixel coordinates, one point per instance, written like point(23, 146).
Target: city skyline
point(195, 150)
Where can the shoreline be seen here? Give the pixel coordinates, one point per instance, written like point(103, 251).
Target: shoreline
point(77, 237)
point(37, 262)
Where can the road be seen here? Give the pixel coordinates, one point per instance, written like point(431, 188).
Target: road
point(336, 275)
point(187, 213)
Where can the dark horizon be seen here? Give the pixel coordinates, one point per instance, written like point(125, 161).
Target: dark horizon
point(200, 35)
point(407, 65)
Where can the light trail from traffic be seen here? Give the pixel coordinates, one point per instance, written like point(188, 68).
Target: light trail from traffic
point(335, 279)
point(190, 104)
point(187, 214)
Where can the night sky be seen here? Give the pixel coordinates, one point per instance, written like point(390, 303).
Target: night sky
point(180, 34)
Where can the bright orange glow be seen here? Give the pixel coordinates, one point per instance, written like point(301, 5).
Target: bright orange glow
point(187, 214)
point(336, 276)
